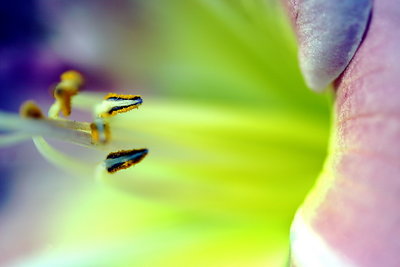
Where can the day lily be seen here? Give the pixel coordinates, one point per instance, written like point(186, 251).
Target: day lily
point(236, 141)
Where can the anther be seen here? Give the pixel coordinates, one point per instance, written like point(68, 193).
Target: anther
point(114, 104)
point(63, 96)
point(31, 110)
point(71, 82)
point(72, 77)
point(124, 159)
point(100, 131)
point(32, 123)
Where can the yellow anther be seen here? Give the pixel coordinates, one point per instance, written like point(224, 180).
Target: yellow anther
point(31, 110)
point(86, 134)
point(124, 159)
point(114, 104)
point(64, 95)
point(73, 77)
point(100, 131)
point(71, 82)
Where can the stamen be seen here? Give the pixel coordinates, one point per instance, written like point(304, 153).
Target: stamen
point(73, 77)
point(62, 129)
point(69, 131)
point(100, 131)
point(124, 159)
point(71, 82)
point(12, 139)
point(32, 123)
point(31, 110)
point(59, 159)
point(63, 96)
point(72, 125)
point(114, 104)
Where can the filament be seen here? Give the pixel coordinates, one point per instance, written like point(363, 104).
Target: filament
point(12, 139)
point(32, 123)
point(69, 131)
point(60, 159)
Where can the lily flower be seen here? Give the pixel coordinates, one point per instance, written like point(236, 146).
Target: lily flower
point(236, 141)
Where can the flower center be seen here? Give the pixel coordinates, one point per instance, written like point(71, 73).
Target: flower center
point(94, 134)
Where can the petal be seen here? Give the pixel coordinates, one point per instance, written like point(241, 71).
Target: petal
point(329, 34)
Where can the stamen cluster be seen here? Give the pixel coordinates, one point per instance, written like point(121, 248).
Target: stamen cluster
point(96, 133)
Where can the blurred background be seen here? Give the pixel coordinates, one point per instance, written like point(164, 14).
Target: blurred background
point(236, 139)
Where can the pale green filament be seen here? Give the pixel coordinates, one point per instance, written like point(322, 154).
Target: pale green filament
point(22, 128)
point(54, 110)
point(69, 131)
point(60, 159)
point(12, 139)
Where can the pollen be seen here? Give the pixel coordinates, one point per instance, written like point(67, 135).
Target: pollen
point(31, 110)
point(124, 159)
point(100, 131)
point(73, 77)
point(63, 96)
point(114, 104)
point(71, 82)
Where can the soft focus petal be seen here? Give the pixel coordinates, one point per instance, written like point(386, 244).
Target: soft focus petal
point(329, 34)
point(354, 206)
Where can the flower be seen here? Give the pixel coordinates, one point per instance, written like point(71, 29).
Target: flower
point(236, 140)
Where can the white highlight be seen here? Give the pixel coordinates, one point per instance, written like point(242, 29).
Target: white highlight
point(308, 249)
point(107, 105)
